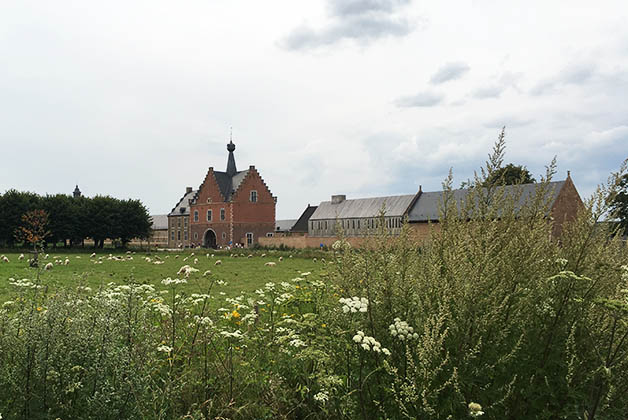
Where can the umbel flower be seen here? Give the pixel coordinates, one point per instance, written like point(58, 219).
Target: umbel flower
point(354, 304)
point(475, 409)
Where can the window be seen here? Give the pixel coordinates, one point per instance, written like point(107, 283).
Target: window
point(195, 235)
point(209, 199)
point(270, 234)
point(196, 215)
point(249, 238)
point(185, 235)
point(172, 235)
point(222, 214)
point(179, 222)
point(185, 222)
point(209, 215)
point(178, 235)
point(253, 196)
point(224, 235)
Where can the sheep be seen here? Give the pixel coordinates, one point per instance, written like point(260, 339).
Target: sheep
point(212, 255)
point(21, 257)
point(66, 262)
point(185, 259)
point(195, 261)
point(206, 273)
point(48, 266)
point(270, 264)
point(218, 262)
point(192, 254)
point(93, 255)
point(263, 255)
point(280, 259)
point(46, 256)
point(4, 259)
point(187, 270)
point(176, 256)
point(314, 259)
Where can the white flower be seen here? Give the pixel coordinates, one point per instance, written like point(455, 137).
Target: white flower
point(475, 409)
point(164, 348)
point(168, 281)
point(365, 346)
point(357, 338)
point(321, 397)
point(354, 304)
point(386, 351)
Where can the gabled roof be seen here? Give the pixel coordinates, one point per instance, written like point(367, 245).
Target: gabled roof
point(183, 207)
point(427, 207)
point(284, 225)
point(394, 206)
point(301, 223)
point(159, 221)
point(227, 184)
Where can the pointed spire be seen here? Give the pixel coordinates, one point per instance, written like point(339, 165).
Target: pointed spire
point(231, 165)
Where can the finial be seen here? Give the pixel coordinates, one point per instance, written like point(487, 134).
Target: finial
point(420, 188)
point(231, 134)
point(568, 174)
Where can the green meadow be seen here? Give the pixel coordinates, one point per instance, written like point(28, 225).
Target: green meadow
point(241, 272)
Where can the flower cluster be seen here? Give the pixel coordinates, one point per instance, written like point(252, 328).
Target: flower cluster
point(168, 281)
point(475, 409)
point(369, 343)
point(402, 330)
point(354, 304)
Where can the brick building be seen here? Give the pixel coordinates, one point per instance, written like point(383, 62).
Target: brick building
point(229, 208)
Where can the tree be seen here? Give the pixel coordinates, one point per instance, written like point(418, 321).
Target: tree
point(509, 175)
point(33, 230)
point(14, 204)
point(619, 204)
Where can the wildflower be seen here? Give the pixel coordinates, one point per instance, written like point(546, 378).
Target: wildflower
point(354, 304)
point(321, 397)
point(235, 314)
point(386, 351)
point(475, 409)
point(39, 308)
point(402, 330)
point(164, 348)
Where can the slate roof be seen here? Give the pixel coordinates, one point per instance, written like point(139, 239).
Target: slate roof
point(394, 206)
point(301, 224)
point(159, 221)
point(284, 225)
point(183, 204)
point(427, 207)
point(227, 184)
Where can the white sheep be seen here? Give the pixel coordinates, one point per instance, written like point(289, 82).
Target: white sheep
point(263, 255)
point(249, 256)
point(280, 259)
point(185, 259)
point(48, 266)
point(21, 257)
point(270, 264)
point(66, 262)
point(46, 256)
point(187, 270)
point(195, 261)
point(4, 259)
point(218, 262)
point(93, 255)
point(207, 273)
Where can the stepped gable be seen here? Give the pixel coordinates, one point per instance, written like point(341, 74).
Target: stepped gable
point(242, 181)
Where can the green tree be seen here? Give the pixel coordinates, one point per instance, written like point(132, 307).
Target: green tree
point(619, 204)
point(509, 175)
point(14, 204)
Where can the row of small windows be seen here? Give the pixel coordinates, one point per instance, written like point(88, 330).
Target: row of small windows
point(209, 215)
point(372, 223)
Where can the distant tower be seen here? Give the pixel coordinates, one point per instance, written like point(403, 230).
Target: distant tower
point(231, 166)
point(77, 192)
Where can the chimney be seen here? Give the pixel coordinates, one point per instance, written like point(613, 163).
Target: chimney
point(188, 190)
point(337, 199)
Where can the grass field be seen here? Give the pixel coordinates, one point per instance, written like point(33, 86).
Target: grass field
point(240, 273)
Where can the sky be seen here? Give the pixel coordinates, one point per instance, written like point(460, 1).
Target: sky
point(357, 97)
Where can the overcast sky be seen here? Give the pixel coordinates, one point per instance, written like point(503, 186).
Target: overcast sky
point(357, 97)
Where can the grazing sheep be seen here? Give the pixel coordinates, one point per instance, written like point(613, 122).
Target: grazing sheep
point(207, 255)
point(66, 262)
point(46, 256)
point(158, 262)
point(263, 255)
point(185, 259)
point(192, 254)
point(207, 273)
point(270, 264)
point(21, 257)
point(323, 260)
point(176, 256)
point(280, 259)
point(93, 255)
point(187, 270)
point(195, 261)
point(242, 255)
point(314, 259)
point(212, 255)
point(48, 266)
point(4, 259)
point(218, 262)
point(290, 256)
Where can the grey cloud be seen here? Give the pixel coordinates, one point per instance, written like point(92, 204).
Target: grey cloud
point(421, 99)
point(490, 91)
point(575, 74)
point(357, 7)
point(450, 71)
point(362, 21)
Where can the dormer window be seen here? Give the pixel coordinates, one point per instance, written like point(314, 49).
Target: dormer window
point(209, 199)
point(253, 196)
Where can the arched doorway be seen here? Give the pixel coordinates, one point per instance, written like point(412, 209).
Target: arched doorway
point(210, 239)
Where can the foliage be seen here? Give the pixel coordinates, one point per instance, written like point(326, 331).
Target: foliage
point(72, 219)
point(34, 227)
point(619, 203)
point(509, 175)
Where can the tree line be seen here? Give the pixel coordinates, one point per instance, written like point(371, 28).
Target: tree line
point(73, 219)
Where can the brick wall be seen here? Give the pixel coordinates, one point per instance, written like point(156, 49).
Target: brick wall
point(566, 207)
